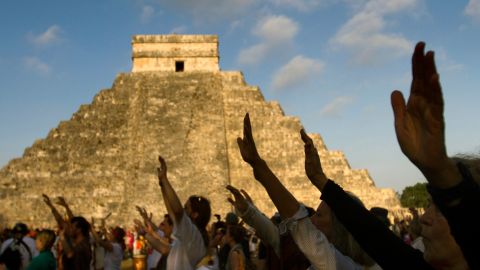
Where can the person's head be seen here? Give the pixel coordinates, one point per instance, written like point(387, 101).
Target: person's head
point(19, 230)
point(80, 226)
point(441, 249)
point(166, 225)
point(198, 209)
point(382, 214)
point(235, 234)
point(326, 221)
point(45, 240)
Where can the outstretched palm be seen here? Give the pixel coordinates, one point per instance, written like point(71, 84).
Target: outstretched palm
point(419, 124)
point(248, 150)
point(162, 171)
point(313, 167)
point(240, 202)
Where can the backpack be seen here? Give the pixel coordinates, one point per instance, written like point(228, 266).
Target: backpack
point(12, 256)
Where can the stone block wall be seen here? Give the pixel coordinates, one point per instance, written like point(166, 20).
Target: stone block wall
point(104, 158)
point(160, 52)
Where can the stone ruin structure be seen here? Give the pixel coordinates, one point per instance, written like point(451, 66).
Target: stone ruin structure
point(177, 103)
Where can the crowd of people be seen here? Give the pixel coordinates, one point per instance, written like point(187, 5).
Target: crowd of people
point(339, 234)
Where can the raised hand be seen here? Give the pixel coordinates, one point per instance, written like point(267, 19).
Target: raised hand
point(162, 171)
point(240, 202)
point(247, 196)
point(61, 201)
point(419, 124)
point(248, 150)
point(313, 167)
point(47, 200)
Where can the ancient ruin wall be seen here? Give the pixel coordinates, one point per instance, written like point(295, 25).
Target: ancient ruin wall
point(160, 52)
point(104, 158)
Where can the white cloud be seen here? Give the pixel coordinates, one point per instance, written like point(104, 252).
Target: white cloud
point(147, 13)
point(336, 106)
point(302, 5)
point(364, 35)
point(445, 63)
point(296, 71)
point(275, 32)
point(473, 9)
point(50, 36)
point(37, 65)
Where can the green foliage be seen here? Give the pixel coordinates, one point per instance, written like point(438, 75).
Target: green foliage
point(415, 196)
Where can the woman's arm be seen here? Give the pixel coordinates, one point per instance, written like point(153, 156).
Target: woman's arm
point(170, 197)
point(264, 227)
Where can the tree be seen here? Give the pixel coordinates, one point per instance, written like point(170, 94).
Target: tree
point(415, 196)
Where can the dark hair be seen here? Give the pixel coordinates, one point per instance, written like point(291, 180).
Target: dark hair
point(20, 228)
point(168, 219)
point(237, 233)
point(201, 206)
point(82, 224)
point(119, 235)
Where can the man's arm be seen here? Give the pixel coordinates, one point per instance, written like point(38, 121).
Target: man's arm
point(420, 129)
point(389, 251)
point(58, 217)
point(285, 202)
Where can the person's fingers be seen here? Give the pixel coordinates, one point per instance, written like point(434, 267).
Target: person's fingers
point(247, 129)
point(163, 164)
point(234, 191)
point(247, 196)
point(418, 68)
point(399, 108)
point(230, 200)
point(305, 138)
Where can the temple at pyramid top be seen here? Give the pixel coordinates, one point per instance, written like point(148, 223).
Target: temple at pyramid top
point(175, 53)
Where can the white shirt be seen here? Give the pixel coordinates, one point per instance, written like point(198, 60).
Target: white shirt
point(25, 255)
point(264, 227)
point(154, 257)
point(113, 259)
point(187, 248)
point(314, 244)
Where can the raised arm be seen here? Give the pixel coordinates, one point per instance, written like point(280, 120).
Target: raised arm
point(147, 219)
point(172, 202)
point(420, 129)
point(389, 251)
point(61, 201)
point(159, 243)
point(104, 243)
point(285, 202)
point(58, 217)
point(264, 227)
point(419, 124)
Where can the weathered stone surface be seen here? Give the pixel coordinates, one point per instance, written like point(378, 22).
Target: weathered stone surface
point(104, 158)
point(160, 52)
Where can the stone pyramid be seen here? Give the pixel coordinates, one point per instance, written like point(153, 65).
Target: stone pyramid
point(176, 102)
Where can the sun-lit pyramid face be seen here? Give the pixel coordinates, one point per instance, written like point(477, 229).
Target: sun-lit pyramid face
point(104, 158)
point(175, 53)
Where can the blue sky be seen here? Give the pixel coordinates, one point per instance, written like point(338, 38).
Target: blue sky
point(333, 63)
